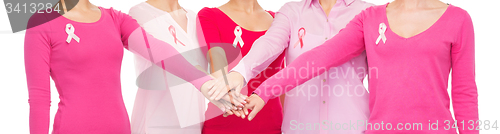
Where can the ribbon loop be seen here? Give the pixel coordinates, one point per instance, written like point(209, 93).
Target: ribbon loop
point(174, 34)
point(70, 30)
point(302, 33)
point(381, 30)
point(238, 39)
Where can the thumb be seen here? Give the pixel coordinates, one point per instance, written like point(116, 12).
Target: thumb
point(255, 110)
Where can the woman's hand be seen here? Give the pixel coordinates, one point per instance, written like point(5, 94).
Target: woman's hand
point(235, 81)
point(224, 104)
point(254, 103)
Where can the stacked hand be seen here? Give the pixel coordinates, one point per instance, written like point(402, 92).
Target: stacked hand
point(226, 93)
point(224, 104)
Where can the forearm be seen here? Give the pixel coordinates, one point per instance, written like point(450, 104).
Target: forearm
point(165, 56)
point(218, 62)
point(347, 44)
point(266, 49)
point(315, 61)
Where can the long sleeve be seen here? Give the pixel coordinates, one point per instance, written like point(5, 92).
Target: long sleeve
point(201, 38)
point(347, 44)
point(37, 51)
point(464, 91)
point(136, 40)
point(209, 36)
point(267, 48)
point(209, 30)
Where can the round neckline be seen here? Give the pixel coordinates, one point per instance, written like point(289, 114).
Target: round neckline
point(100, 18)
point(241, 26)
point(386, 20)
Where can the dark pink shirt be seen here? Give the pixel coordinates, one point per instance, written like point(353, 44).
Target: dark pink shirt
point(87, 72)
point(219, 31)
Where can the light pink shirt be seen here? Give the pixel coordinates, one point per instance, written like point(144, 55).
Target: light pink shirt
point(335, 97)
point(408, 76)
point(179, 107)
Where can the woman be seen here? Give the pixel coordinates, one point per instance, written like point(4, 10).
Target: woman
point(179, 107)
point(411, 60)
point(82, 51)
point(232, 28)
point(298, 28)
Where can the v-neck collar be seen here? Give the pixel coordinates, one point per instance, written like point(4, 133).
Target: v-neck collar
point(386, 20)
point(175, 24)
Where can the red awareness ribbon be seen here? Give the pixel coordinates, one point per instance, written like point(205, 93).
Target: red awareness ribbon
point(301, 36)
point(172, 31)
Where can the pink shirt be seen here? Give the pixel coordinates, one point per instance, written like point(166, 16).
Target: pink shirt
point(408, 76)
point(86, 72)
point(298, 28)
point(179, 107)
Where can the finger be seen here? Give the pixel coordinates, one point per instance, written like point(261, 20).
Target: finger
point(214, 87)
point(226, 114)
point(230, 100)
point(237, 113)
point(238, 90)
point(248, 99)
point(208, 85)
point(223, 92)
point(217, 90)
point(245, 110)
point(241, 113)
point(227, 105)
point(234, 107)
point(219, 85)
point(240, 98)
point(254, 112)
point(235, 100)
point(229, 112)
point(228, 109)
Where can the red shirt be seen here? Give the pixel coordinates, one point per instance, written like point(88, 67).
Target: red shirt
point(219, 30)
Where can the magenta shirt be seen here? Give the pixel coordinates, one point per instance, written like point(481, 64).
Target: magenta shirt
point(86, 72)
point(329, 97)
point(408, 76)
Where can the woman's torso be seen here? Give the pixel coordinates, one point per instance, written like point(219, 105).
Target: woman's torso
point(416, 67)
point(337, 96)
point(87, 76)
point(180, 107)
point(272, 112)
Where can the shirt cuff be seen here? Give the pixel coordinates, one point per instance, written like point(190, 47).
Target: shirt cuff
point(261, 94)
point(199, 82)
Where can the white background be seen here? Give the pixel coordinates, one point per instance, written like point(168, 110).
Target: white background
point(14, 107)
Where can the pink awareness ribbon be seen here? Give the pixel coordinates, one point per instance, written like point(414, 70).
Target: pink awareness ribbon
point(301, 37)
point(381, 30)
point(172, 31)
